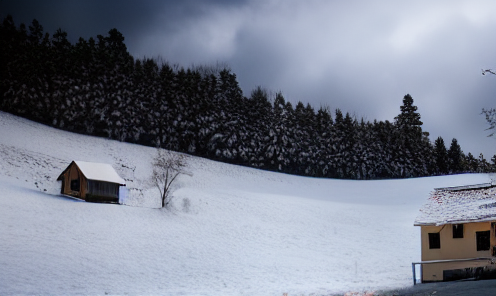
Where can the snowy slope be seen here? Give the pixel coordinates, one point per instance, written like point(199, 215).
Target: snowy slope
point(232, 231)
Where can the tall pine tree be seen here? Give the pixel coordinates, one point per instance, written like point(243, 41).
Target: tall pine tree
point(455, 157)
point(441, 156)
point(410, 147)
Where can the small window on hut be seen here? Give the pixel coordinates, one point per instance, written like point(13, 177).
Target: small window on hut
point(457, 230)
point(434, 241)
point(75, 185)
point(483, 240)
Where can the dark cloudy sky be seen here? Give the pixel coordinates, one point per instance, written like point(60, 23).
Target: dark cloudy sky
point(359, 56)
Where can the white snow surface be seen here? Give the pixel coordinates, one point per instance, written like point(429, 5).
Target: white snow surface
point(464, 206)
point(231, 231)
point(99, 172)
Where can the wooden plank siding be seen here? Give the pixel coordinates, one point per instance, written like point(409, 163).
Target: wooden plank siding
point(73, 173)
point(99, 191)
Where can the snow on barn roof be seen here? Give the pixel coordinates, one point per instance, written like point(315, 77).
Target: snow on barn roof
point(99, 172)
point(463, 204)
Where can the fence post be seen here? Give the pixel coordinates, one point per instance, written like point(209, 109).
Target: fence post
point(421, 273)
point(414, 276)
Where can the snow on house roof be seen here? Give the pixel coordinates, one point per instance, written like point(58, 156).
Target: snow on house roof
point(462, 204)
point(466, 187)
point(99, 172)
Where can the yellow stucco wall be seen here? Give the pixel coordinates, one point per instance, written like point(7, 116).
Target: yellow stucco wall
point(453, 248)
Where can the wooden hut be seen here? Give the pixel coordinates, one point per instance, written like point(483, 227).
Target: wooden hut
point(93, 182)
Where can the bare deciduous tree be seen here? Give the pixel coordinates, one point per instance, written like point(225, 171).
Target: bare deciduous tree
point(167, 166)
point(490, 113)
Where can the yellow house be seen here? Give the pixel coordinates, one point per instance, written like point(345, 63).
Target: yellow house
point(458, 233)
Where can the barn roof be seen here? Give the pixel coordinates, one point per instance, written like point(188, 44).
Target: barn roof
point(98, 172)
point(455, 205)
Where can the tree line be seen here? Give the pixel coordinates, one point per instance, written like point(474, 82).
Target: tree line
point(96, 87)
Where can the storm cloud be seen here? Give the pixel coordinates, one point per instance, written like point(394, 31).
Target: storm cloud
point(359, 56)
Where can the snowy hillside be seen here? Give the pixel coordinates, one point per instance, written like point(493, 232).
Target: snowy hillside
point(232, 230)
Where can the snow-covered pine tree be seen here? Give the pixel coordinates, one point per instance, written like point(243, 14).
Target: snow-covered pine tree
point(235, 123)
point(364, 150)
point(482, 165)
point(409, 145)
point(324, 136)
point(455, 157)
point(471, 163)
point(441, 156)
point(162, 108)
point(312, 155)
point(258, 113)
point(117, 71)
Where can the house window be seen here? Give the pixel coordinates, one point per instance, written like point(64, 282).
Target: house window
point(434, 241)
point(483, 240)
point(457, 230)
point(75, 185)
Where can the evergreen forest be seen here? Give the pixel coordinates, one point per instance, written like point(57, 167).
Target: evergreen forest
point(96, 87)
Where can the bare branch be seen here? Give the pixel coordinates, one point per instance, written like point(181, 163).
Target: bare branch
point(490, 71)
point(490, 113)
point(491, 119)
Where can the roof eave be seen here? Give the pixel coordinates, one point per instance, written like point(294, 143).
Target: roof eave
point(64, 171)
point(119, 183)
point(487, 219)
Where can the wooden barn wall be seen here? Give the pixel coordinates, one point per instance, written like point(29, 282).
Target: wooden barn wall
point(103, 188)
point(73, 173)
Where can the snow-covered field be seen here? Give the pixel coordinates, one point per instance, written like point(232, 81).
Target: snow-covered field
point(232, 230)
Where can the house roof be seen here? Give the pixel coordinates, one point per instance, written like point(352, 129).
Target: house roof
point(455, 205)
point(98, 172)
